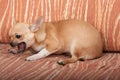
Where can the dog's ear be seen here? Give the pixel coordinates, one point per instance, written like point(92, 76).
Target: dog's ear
point(35, 27)
point(14, 21)
point(9, 33)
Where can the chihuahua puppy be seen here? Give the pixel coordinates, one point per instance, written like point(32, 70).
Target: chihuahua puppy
point(78, 38)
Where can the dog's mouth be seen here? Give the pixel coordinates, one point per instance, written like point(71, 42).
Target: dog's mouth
point(21, 46)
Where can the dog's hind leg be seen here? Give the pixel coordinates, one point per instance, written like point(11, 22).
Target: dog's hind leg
point(75, 53)
point(67, 61)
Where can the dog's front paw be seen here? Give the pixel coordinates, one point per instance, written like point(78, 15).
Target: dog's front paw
point(30, 58)
point(14, 51)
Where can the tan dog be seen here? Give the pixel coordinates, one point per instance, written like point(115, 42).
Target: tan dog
point(78, 38)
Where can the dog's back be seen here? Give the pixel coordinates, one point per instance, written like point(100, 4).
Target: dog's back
point(79, 38)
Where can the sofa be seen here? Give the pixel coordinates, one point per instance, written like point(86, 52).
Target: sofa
point(104, 15)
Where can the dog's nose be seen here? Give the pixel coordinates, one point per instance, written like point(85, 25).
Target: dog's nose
point(12, 44)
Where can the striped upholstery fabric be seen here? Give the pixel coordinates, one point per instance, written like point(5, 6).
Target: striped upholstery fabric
point(14, 67)
point(103, 14)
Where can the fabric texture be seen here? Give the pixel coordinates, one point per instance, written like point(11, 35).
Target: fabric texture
point(14, 67)
point(103, 14)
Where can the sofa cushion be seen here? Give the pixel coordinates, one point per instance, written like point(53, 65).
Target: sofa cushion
point(103, 14)
point(14, 67)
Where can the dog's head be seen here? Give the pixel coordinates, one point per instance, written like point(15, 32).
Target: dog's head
point(22, 34)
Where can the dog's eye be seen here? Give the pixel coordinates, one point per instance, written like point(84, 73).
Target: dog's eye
point(18, 36)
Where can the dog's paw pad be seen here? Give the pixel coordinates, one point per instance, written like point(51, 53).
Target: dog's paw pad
point(27, 59)
point(61, 63)
point(30, 58)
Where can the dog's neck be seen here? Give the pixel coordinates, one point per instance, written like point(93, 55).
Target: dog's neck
point(47, 30)
point(40, 34)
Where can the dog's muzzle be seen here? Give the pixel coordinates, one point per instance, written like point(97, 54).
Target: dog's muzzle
point(21, 46)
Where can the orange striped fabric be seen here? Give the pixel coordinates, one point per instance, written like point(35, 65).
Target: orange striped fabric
point(103, 14)
point(14, 67)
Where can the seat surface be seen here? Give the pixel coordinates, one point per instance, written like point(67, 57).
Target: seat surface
point(14, 67)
